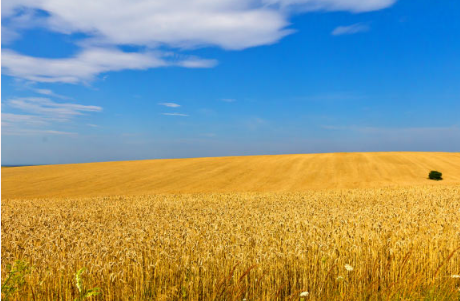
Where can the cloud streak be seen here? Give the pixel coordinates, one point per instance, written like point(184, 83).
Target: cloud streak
point(40, 113)
point(350, 29)
point(9, 119)
point(49, 93)
point(169, 104)
point(174, 114)
point(356, 6)
point(33, 132)
point(86, 65)
point(47, 107)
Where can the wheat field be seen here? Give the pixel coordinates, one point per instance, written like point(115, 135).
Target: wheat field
point(283, 173)
point(393, 242)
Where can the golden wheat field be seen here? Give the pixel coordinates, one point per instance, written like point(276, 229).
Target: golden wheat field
point(387, 242)
point(282, 173)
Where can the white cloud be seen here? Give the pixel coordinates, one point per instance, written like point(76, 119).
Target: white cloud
point(50, 93)
point(83, 67)
point(33, 132)
point(165, 24)
point(47, 107)
point(169, 104)
point(230, 24)
point(255, 123)
point(44, 91)
point(20, 124)
point(356, 6)
point(13, 24)
point(11, 119)
point(228, 100)
point(174, 114)
point(42, 113)
point(194, 62)
point(350, 29)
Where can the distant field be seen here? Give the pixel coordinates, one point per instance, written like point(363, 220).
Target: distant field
point(281, 173)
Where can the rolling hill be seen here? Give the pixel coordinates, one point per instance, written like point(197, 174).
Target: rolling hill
point(230, 174)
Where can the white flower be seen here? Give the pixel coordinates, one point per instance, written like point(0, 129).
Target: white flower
point(339, 278)
point(455, 276)
point(348, 267)
point(303, 294)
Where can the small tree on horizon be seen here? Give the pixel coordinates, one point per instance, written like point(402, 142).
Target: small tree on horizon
point(435, 175)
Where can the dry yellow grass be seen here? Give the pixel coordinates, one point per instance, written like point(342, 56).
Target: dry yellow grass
point(230, 174)
point(400, 243)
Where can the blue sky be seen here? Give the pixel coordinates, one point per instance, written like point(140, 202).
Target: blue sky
point(172, 79)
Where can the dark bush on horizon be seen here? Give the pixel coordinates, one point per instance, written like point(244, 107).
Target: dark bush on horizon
point(435, 175)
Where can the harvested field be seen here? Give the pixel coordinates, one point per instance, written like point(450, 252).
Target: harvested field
point(284, 173)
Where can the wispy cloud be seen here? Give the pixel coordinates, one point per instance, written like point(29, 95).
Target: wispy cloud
point(350, 29)
point(9, 35)
point(194, 62)
point(174, 114)
point(25, 125)
point(87, 64)
point(46, 107)
point(32, 132)
point(42, 114)
point(14, 24)
point(255, 123)
point(9, 119)
point(50, 93)
point(169, 104)
point(356, 6)
point(228, 99)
